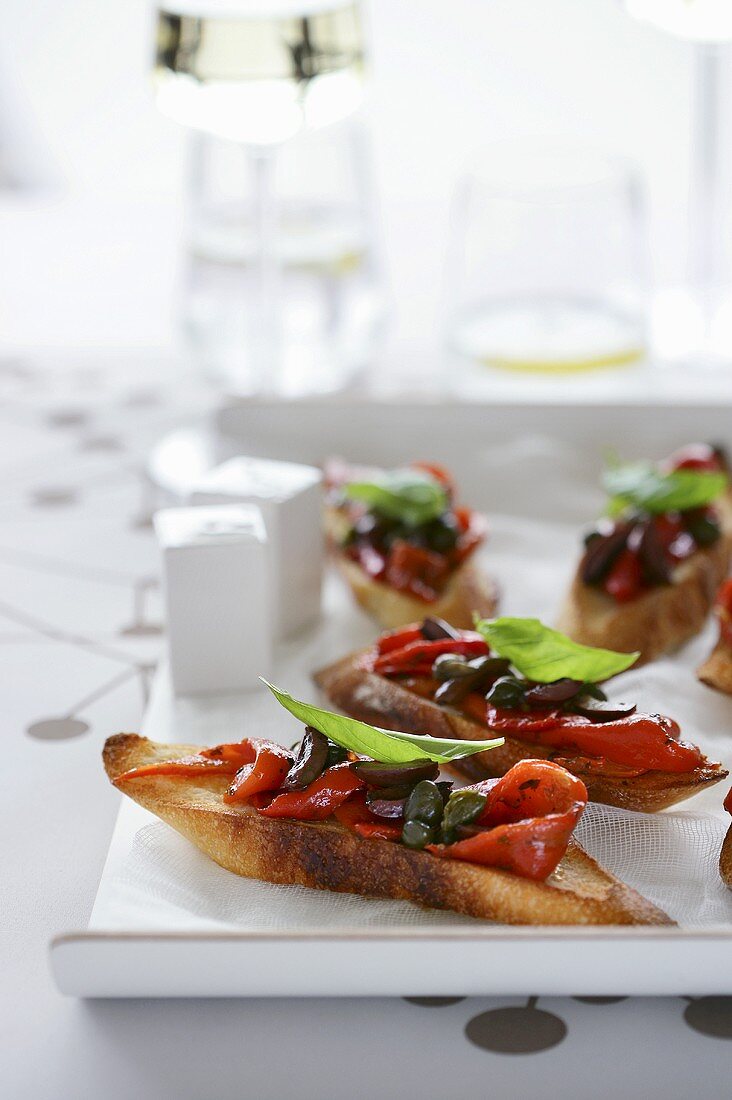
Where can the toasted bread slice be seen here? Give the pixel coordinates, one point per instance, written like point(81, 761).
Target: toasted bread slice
point(725, 859)
point(328, 856)
point(658, 621)
point(467, 590)
point(351, 685)
point(716, 671)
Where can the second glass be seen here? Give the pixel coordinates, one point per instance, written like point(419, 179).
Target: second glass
point(547, 269)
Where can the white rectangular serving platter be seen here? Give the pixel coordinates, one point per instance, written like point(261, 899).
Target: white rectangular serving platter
point(526, 462)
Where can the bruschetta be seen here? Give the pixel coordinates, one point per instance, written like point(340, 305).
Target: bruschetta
point(725, 856)
point(333, 820)
point(405, 547)
point(716, 671)
point(651, 568)
point(461, 685)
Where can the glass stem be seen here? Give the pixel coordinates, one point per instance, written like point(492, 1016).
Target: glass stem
point(707, 184)
point(266, 332)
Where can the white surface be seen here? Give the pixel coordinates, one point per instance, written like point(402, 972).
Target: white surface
point(289, 496)
point(155, 882)
point(218, 596)
point(75, 568)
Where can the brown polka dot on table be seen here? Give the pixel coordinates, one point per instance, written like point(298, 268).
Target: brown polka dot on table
point(57, 729)
point(710, 1016)
point(67, 418)
point(521, 1029)
point(599, 1000)
point(107, 443)
point(434, 1002)
point(53, 496)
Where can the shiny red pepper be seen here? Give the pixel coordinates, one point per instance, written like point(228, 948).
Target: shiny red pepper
point(421, 654)
point(195, 764)
point(320, 799)
point(625, 579)
point(648, 741)
point(356, 815)
point(265, 773)
point(398, 639)
point(695, 456)
point(529, 816)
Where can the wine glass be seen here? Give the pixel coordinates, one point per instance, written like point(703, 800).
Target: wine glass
point(257, 73)
point(699, 324)
point(546, 267)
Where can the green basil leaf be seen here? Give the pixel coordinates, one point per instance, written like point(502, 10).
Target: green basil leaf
point(383, 745)
point(642, 485)
point(544, 655)
point(410, 496)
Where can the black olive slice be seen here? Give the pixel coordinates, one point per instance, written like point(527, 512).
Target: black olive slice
point(601, 554)
point(557, 692)
point(435, 630)
point(390, 775)
point(653, 557)
point(602, 711)
point(311, 760)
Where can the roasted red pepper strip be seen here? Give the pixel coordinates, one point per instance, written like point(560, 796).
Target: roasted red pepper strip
point(625, 580)
point(265, 773)
point(421, 653)
point(356, 815)
point(195, 764)
point(648, 741)
point(530, 815)
point(239, 752)
point(320, 799)
point(398, 639)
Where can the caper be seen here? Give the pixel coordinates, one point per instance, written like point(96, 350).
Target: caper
point(450, 666)
point(507, 692)
point(424, 804)
point(336, 754)
point(441, 534)
point(416, 834)
point(453, 691)
point(704, 530)
point(462, 808)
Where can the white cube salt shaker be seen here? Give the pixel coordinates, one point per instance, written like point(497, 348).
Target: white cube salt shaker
point(289, 495)
point(217, 597)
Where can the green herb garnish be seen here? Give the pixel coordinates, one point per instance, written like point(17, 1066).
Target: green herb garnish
point(643, 486)
point(409, 496)
point(544, 655)
point(382, 745)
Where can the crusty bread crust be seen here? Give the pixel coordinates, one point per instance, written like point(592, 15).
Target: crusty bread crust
point(467, 590)
point(351, 685)
point(658, 621)
point(725, 859)
point(327, 856)
point(716, 671)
